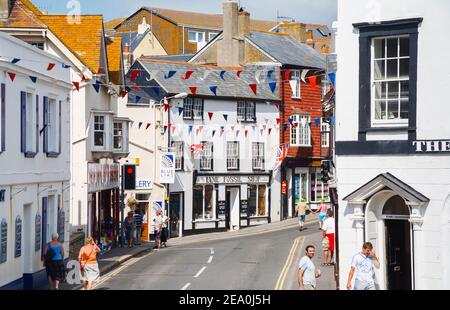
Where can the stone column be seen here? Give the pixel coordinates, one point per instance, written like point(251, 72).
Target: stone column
point(416, 220)
point(358, 220)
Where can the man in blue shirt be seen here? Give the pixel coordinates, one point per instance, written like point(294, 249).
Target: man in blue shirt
point(138, 219)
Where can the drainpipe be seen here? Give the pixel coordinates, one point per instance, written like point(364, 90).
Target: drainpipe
point(283, 171)
point(183, 40)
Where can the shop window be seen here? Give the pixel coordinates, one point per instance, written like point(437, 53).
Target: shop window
point(18, 238)
point(257, 200)
point(197, 208)
point(3, 241)
point(209, 202)
point(204, 203)
point(319, 190)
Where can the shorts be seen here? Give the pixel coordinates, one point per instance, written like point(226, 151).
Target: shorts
point(325, 244)
point(331, 240)
point(364, 286)
point(301, 218)
point(322, 217)
point(157, 234)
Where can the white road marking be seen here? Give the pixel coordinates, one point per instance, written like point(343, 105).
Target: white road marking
point(186, 286)
point(280, 283)
point(210, 260)
point(200, 272)
point(212, 251)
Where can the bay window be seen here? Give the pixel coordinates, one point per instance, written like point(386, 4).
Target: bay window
point(204, 207)
point(118, 136)
point(300, 130)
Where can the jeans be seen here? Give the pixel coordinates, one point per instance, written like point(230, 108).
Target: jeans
point(364, 286)
point(138, 235)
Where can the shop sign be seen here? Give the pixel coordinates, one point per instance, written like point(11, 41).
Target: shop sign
point(144, 184)
point(18, 238)
point(284, 187)
point(167, 168)
point(433, 146)
point(222, 207)
point(244, 206)
point(102, 177)
point(231, 179)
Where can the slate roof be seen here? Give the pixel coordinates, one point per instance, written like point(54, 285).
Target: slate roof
point(180, 58)
point(133, 39)
point(232, 86)
point(287, 51)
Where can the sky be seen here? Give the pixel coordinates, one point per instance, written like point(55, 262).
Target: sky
point(307, 11)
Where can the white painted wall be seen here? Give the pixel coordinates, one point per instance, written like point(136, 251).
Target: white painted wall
point(27, 180)
point(430, 175)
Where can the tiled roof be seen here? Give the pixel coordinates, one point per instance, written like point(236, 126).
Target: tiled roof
point(23, 15)
point(113, 23)
point(83, 39)
point(114, 59)
point(287, 51)
point(232, 86)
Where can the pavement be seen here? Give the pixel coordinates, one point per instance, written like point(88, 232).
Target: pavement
point(259, 257)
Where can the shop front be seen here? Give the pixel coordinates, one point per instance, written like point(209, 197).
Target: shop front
point(230, 202)
point(103, 204)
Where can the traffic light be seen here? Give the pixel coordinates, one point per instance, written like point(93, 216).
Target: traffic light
point(129, 176)
point(326, 165)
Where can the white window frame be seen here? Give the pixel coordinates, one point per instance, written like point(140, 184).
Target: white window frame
point(31, 118)
point(105, 130)
point(197, 35)
point(193, 108)
point(258, 155)
point(296, 76)
point(53, 123)
point(266, 198)
point(325, 133)
point(206, 157)
point(118, 134)
point(326, 86)
point(232, 155)
point(212, 35)
point(301, 134)
point(203, 218)
point(387, 122)
point(246, 111)
point(178, 147)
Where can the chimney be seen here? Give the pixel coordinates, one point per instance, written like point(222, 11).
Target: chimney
point(5, 8)
point(244, 24)
point(228, 48)
point(310, 40)
point(142, 28)
point(295, 30)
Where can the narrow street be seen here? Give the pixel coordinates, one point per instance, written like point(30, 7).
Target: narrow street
point(261, 262)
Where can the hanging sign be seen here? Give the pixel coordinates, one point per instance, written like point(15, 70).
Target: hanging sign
point(167, 168)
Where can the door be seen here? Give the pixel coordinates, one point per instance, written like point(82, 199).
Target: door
point(174, 214)
point(227, 208)
point(398, 242)
point(27, 248)
point(234, 207)
point(44, 225)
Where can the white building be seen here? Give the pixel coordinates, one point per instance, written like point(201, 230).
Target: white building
point(230, 182)
point(393, 140)
point(34, 159)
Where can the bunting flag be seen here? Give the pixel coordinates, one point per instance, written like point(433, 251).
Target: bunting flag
point(269, 75)
point(213, 133)
point(33, 79)
point(277, 106)
point(253, 127)
point(50, 66)
point(317, 121)
point(123, 93)
point(222, 74)
point(246, 132)
point(270, 130)
point(264, 127)
point(165, 129)
point(210, 115)
point(291, 121)
point(15, 60)
point(169, 74)
point(232, 128)
point(127, 89)
point(138, 98)
point(148, 125)
point(282, 152)
point(187, 75)
point(261, 131)
point(293, 84)
point(196, 148)
point(169, 125)
point(273, 86)
point(237, 133)
point(253, 87)
point(238, 73)
point(225, 116)
point(266, 120)
point(77, 85)
point(190, 129)
point(206, 74)
point(180, 111)
point(136, 88)
point(200, 128)
point(83, 78)
point(303, 75)
point(166, 107)
point(66, 66)
point(213, 89)
point(287, 74)
point(193, 90)
point(173, 130)
point(278, 121)
point(222, 130)
point(196, 131)
point(12, 76)
point(100, 70)
point(140, 124)
point(332, 76)
point(97, 86)
point(257, 76)
point(332, 120)
point(312, 80)
point(134, 75)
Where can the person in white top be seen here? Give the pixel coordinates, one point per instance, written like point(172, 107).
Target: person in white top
point(363, 263)
point(328, 232)
point(307, 273)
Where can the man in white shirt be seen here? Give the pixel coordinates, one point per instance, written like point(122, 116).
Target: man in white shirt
point(363, 264)
point(307, 273)
point(329, 231)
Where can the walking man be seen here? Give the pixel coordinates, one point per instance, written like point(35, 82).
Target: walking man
point(307, 273)
point(138, 219)
point(363, 263)
point(301, 210)
point(328, 232)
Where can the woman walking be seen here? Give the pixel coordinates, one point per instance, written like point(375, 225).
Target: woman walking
point(88, 263)
point(164, 230)
point(54, 262)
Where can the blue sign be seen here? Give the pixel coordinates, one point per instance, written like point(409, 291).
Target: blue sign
point(297, 189)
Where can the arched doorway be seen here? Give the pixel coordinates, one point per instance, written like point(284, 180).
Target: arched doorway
point(396, 215)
